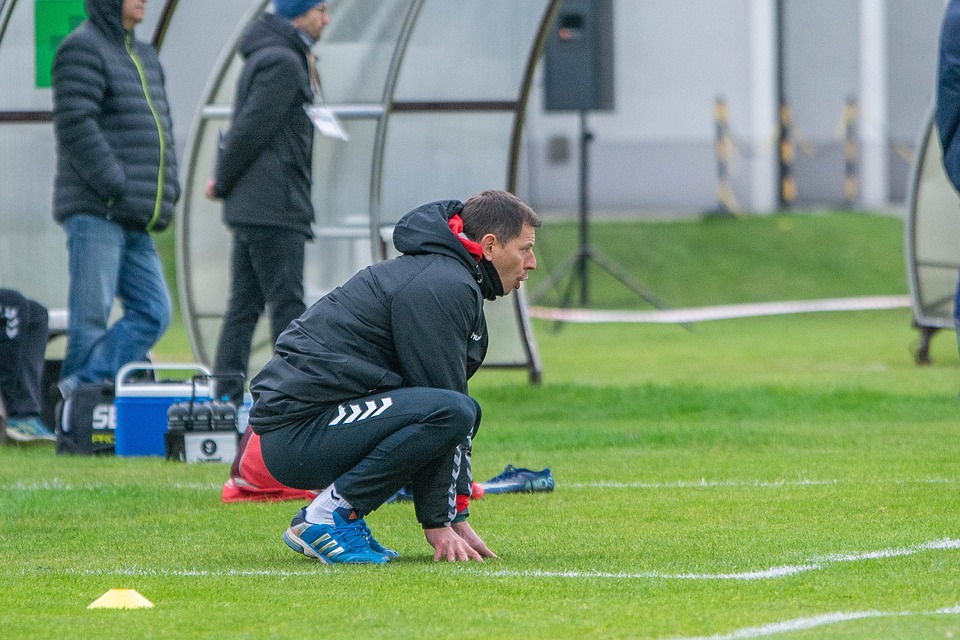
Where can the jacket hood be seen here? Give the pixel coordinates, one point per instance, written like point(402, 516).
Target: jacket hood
point(426, 230)
point(107, 16)
point(270, 30)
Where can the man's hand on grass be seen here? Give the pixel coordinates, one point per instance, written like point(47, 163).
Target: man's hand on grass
point(447, 543)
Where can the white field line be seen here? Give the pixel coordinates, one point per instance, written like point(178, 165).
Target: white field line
point(315, 568)
point(56, 484)
point(770, 573)
point(799, 624)
point(721, 312)
point(760, 484)
point(761, 574)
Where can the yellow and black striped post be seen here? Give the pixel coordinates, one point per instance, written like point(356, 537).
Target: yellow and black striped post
point(726, 202)
point(851, 187)
point(788, 187)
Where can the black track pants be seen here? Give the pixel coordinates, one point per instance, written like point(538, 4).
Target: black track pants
point(23, 340)
point(373, 446)
point(266, 271)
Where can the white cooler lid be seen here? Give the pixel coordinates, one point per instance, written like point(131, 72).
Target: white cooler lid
point(178, 389)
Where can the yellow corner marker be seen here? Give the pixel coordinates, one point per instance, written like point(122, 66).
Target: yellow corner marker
point(121, 599)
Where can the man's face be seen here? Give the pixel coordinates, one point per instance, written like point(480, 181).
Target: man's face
point(133, 12)
point(313, 21)
point(513, 259)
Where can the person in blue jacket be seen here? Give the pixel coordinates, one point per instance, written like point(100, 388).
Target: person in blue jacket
point(367, 391)
point(947, 113)
point(116, 181)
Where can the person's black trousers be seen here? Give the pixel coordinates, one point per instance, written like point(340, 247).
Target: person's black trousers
point(23, 342)
point(373, 446)
point(266, 272)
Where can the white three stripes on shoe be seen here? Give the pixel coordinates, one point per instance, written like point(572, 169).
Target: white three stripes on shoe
point(357, 413)
point(324, 543)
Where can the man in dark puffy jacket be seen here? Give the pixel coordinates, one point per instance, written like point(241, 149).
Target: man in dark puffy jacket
point(263, 174)
point(367, 391)
point(116, 181)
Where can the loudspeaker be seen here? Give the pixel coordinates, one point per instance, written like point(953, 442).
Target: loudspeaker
point(578, 62)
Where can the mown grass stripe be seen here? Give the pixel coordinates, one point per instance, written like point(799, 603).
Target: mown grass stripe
point(57, 485)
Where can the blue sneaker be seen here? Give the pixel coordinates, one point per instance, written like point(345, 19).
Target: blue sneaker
point(376, 546)
point(518, 480)
point(347, 541)
point(28, 430)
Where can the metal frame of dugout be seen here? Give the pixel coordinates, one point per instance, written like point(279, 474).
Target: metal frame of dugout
point(432, 94)
point(932, 241)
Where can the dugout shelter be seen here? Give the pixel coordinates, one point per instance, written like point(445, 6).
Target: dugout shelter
point(431, 93)
point(932, 240)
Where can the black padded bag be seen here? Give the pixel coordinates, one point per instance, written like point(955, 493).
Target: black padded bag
point(87, 420)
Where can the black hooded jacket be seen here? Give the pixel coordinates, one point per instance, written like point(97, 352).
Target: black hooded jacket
point(413, 321)
point(115, 152)
point(264, 166)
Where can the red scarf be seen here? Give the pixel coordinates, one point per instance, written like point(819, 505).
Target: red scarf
point(473, 248)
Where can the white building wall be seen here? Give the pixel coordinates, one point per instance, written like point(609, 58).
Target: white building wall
point(655, 151)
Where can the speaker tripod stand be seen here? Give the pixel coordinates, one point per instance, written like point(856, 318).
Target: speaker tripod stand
point(576, 265)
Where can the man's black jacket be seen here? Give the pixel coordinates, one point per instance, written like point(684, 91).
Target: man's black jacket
point(413, 321)
point(264, 166)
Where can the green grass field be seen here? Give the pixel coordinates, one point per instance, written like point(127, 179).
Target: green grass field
point(790, 477)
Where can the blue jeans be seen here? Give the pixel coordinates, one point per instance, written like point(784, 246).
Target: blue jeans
point(956, 311)
point(108, 261)
point(956, 307)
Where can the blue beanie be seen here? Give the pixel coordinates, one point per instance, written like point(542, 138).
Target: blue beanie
point(294, 8)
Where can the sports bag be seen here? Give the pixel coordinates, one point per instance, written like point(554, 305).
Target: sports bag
point(86, 421)
point(251, 482)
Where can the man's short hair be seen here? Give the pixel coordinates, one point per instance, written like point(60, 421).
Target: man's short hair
point(498, 212)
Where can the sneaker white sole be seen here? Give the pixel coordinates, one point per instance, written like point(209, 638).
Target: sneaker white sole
point(19, 436)
point(299, 545)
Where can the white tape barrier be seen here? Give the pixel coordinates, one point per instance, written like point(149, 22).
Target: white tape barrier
point(721, 312)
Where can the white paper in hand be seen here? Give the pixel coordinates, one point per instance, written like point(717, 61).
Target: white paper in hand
point(325, 122)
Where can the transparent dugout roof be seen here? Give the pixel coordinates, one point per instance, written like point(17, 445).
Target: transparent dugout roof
point(431, 94)
point(933, 235)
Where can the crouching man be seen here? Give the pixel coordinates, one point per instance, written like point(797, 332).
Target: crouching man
point(367, 392)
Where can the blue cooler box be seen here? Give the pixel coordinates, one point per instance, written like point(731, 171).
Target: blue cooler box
point(142, 406)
